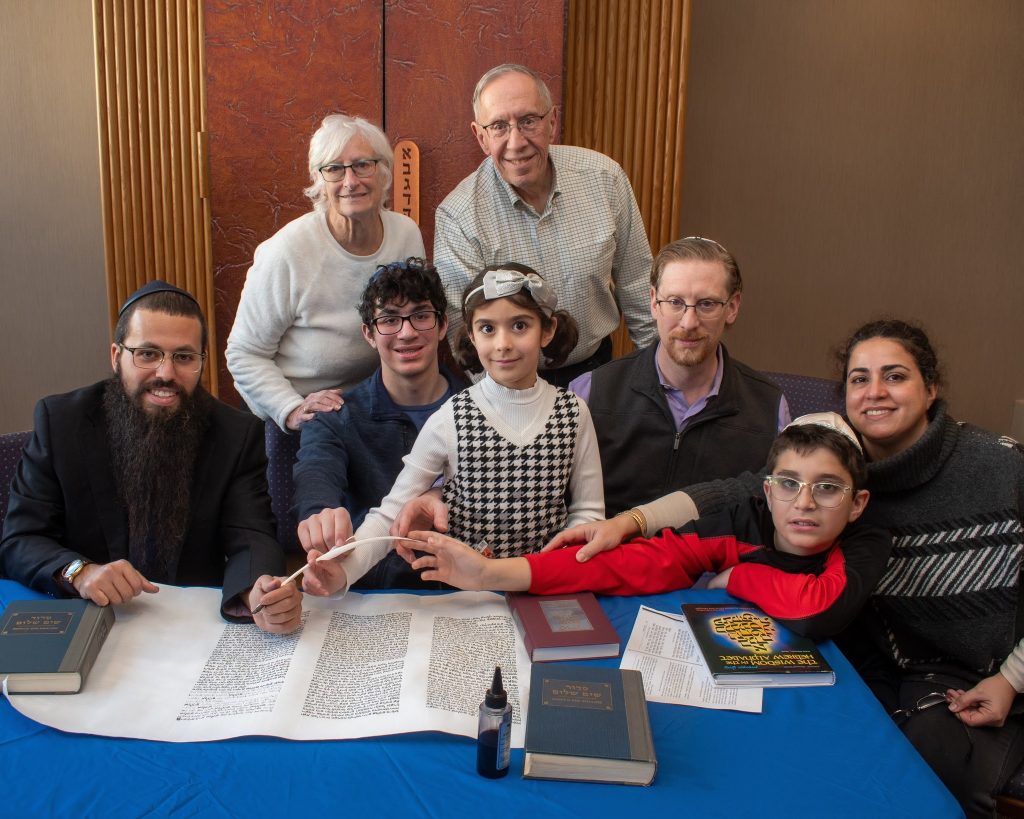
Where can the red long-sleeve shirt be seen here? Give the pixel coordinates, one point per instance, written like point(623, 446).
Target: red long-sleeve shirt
point(815, 595)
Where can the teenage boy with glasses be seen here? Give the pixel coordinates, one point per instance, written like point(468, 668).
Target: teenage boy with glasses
point(348, 460)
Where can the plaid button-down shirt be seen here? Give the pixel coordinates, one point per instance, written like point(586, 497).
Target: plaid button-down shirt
point(589, 244)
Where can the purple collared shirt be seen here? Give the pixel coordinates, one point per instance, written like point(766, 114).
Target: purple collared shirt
point(681, 411)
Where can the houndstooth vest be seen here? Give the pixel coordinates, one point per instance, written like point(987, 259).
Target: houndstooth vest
point(508, 499)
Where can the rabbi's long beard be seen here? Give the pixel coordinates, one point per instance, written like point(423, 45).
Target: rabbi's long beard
point(154, 456)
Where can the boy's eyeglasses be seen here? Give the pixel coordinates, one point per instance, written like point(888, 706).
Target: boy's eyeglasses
point(827, 494)
point(420, 320)
point(335, 172)
point(705, 308)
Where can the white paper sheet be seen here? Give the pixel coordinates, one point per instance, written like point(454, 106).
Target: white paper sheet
point(364, 665)
point(661, 646)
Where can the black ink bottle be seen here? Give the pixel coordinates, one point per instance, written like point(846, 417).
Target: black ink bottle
point(494, 731)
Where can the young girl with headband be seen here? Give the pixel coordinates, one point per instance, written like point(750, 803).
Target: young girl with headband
point(519, 457)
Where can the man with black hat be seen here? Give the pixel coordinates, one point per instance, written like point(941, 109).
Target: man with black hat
point(146, 477)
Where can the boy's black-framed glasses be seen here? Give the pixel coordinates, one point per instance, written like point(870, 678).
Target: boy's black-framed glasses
point(388, 325)
point(827, 494)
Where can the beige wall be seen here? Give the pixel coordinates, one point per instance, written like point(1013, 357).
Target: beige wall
point(54, 334)
point(864, 157)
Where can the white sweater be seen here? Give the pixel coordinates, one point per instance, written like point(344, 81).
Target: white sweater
point(519, 416)
point(297, 329)
point(1013, 668)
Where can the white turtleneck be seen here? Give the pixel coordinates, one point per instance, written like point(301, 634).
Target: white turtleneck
point(517, 415)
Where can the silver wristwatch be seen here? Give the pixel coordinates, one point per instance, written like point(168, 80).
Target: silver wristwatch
point(71, 571)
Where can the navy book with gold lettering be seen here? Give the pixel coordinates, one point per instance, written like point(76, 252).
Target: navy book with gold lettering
point(742, 645)
point(49, 646)
point(588, 724)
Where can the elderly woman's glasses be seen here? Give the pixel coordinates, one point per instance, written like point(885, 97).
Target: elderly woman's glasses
point(335, 172)
point(150, 358)
point(528, 126)
point(420, 320)
point(827, 494)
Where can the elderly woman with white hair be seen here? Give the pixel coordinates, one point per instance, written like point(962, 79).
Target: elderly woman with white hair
point(296, 343)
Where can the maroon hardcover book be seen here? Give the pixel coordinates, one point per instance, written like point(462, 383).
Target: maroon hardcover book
point(563, 626)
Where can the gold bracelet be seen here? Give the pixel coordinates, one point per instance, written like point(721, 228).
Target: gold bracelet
point(638, 519)
point(641, 520)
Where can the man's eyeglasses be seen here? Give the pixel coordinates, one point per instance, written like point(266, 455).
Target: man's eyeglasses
point(335, 172)
point(705, 308)
point(827, 494)
point(528, 126)
point(150, 358)
point(420, 320)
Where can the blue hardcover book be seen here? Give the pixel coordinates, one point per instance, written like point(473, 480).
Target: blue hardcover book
point(588, 724)
point(49, 646)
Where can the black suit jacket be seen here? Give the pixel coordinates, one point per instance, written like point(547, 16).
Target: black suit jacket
point(64, 501)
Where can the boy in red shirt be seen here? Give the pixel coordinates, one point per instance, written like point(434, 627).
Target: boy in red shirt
point(796, 553)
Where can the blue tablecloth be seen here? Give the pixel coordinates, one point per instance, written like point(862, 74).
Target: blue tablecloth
point(813, 752)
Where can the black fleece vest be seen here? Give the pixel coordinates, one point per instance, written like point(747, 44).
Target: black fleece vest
point(642, 456)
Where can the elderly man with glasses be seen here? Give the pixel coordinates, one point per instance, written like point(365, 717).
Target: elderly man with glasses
point(348, 460)
point(146, 478)
point(567, 212)
point(682, 410)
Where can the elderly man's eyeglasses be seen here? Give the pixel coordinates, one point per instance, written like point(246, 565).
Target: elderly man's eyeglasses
point(528, 126)
point(150, 358)
point(827, 494)
point(705, 308)
point(335, 172)
point(420, 320)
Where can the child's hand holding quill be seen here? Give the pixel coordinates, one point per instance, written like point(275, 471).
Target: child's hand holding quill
point(328, 575)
